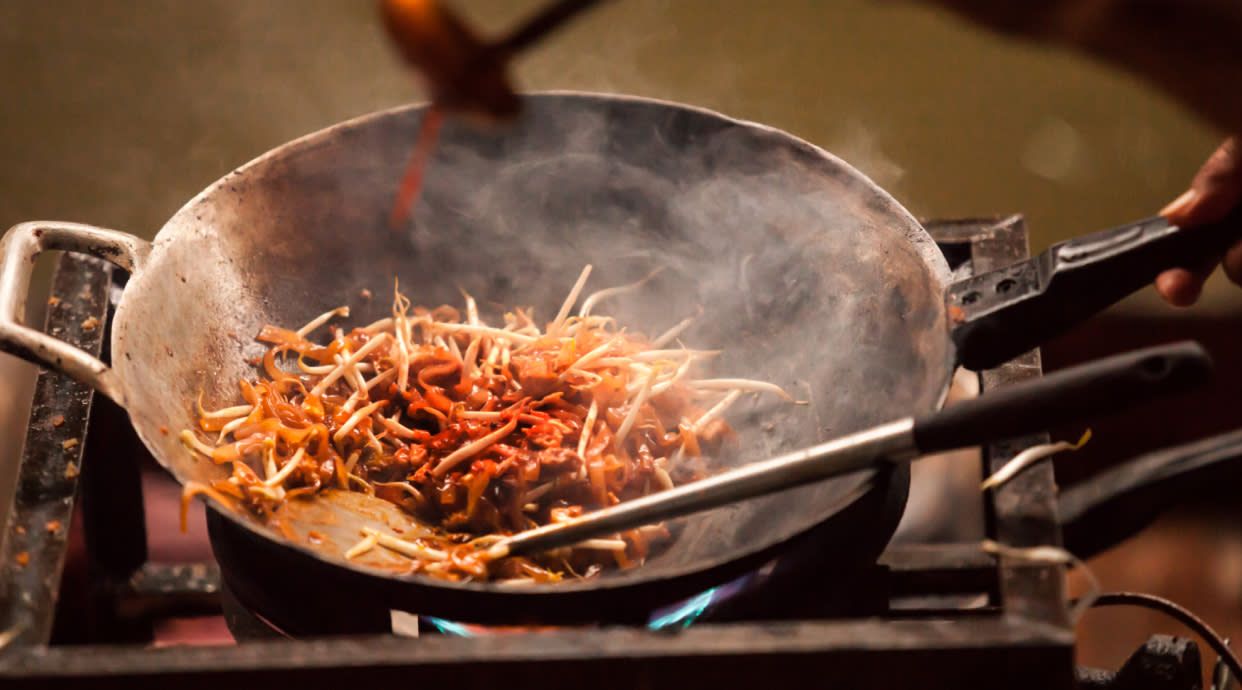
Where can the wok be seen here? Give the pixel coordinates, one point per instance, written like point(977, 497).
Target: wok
point(808, 274)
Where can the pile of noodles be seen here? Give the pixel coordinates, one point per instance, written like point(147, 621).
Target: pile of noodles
point(477, 430)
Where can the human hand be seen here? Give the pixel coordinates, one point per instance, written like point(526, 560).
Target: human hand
point(1179, 47)
point(1215, 191)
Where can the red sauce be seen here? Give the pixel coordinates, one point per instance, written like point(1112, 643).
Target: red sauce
point(412, 184)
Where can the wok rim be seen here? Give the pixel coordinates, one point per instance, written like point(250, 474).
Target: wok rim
point(933, 260)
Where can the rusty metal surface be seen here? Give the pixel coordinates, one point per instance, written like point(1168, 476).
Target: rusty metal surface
point(973, 230)
point(939, 568)
point(36, 535)
point(112, 514)
point(1023, 512)
point(994, 652)
point(158, 591)
point(155, 579)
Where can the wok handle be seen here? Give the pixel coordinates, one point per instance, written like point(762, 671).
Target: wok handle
point(1114, 505)
point(1066, 396)
point(1000, 314)
point(19, 248)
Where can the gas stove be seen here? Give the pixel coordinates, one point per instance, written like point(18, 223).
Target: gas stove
point(927, 612)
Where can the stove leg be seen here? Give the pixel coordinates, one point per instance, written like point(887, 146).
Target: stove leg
point(113, 518)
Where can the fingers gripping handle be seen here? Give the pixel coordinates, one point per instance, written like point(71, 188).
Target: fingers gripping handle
point(19, 248)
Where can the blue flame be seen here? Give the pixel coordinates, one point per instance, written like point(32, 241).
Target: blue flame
point(683, 615)
point(680, 615)
point(449, 627)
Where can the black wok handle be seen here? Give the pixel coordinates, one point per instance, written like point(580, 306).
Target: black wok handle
point(1000, 314)
point(1114, 505)
point(1066, 396)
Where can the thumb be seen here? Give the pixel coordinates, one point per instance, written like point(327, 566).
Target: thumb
point(1215, 191)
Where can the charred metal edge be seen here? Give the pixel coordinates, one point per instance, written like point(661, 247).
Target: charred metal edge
point(974, 230)
point(874, 653)
point(160, 590)
point(113, 515)
point(1023, 512)
point(940, 569)
point(37, 529)
point(176, 579)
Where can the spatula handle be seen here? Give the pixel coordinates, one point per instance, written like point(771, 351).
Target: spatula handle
point(1121, 381)
point(1066, 396)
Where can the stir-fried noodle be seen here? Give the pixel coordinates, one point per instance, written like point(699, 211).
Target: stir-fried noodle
point(479, 430)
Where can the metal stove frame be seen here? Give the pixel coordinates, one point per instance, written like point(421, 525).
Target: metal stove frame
point(1021, 637)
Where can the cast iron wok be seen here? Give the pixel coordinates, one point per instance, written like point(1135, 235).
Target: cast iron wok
point(808, 275)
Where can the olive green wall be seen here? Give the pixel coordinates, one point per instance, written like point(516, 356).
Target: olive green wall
point(117, 111)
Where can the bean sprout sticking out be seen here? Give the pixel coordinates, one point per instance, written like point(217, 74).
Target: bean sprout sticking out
point(1029, 457)
point(555, 327)
point(600, 295)
point(320, 320)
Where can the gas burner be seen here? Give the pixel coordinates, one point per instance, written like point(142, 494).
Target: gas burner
point(916, 615)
